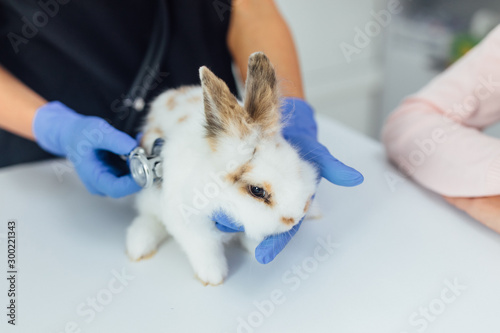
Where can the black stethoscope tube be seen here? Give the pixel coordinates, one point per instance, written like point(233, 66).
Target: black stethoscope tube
point(137, 94)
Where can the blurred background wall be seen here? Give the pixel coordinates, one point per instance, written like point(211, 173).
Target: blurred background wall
point(360, 58)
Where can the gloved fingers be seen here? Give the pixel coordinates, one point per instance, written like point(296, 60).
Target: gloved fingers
point(225, 222)
point(270, 247)
point(87, 182)
point(92, 189)
point(139, 137)
point(297, 115)
point(116, 187)
point(223, 228)
point(113, 163)
point(330, 168)
point(99, 178)
point(338, 173)
point(109, 138)
point(108, 183)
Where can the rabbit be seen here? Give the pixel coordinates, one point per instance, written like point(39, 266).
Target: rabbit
point(220, 155)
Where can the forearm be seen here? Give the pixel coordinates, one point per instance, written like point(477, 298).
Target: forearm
point(257, 25)
point(442, 155)
point(435, 134)
point(18, 104)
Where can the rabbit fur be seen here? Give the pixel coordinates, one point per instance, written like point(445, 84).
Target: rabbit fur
point(218, 153)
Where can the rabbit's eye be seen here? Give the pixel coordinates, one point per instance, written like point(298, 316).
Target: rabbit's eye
point(256, 191)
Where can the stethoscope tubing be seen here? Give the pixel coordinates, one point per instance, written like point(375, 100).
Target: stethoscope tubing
point(151, 63)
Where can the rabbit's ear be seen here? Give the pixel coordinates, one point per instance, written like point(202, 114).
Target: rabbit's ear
point(223, 113)
point(262, 95)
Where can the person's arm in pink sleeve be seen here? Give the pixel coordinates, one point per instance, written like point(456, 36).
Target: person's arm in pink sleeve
point(434, 136)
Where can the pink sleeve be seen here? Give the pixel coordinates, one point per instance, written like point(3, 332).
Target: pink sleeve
point(434, 136)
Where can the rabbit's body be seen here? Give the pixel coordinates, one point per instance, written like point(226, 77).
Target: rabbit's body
point(217, 156)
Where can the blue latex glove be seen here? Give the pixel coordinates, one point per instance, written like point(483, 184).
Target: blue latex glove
point(300, 131)
point(84, 140)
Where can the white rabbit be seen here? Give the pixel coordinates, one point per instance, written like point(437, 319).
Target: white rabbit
point(220, 154)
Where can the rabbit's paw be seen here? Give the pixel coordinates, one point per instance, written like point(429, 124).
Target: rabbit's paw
point(139, 249)
point(143, 239)
point(139, 256)
point(212, 273)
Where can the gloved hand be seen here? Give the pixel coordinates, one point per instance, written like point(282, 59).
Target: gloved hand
point(85, 141)
point(301, 131)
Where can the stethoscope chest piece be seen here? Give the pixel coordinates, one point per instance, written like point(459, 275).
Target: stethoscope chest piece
point(146, 169)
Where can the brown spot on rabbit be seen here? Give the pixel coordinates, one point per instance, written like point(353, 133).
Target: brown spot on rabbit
point(158, 132)
point(171, 102)
point(183, 89)
point(194, 99)
point(239, 172)
point(154, 133)
point(287, 220)
point(308, 204)
point(267, 187)
point(182, 119)
point(212, 143)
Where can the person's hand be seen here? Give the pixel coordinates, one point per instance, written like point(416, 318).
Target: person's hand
point(301, 131)
point(485, 209)
point(86, 141)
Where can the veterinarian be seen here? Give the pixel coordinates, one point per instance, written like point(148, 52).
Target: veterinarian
point(75, 77)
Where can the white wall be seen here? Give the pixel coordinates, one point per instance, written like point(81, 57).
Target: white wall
point(334, 86)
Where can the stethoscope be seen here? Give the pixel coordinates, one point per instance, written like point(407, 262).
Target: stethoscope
point(146, 167)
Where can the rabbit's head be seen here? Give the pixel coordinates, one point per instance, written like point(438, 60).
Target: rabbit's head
point(269, 187)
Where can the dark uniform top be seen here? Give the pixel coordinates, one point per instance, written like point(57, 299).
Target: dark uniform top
point(86, 53)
